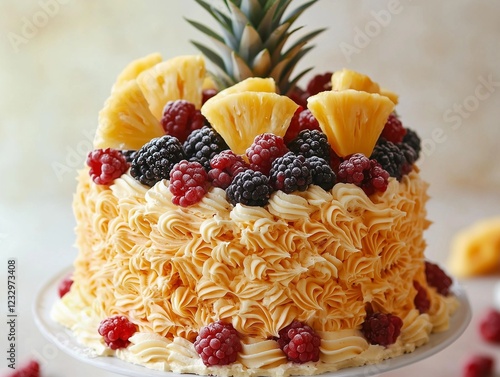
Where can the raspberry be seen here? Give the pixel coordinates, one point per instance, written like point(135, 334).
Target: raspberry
point(321, 172)
point(180, 118)
point(393, 130)
point(299, 342)
point(265, 149)
point(188, 183)
point(155, 159)
point(380, 328)
point(207, 94)
point(489, 326)
point(319, 83)
point(250, 188)
point(202, 145)
point(218, 344)
point(129, 155)
point(299, 96)
point(437, 278)
point(224, 167)
point(421, 300)
point(390, 157)
point(302, 120)
point(413, 140)
point(290, 173)
point(117, 331)
point(363, 172)
point(65, 285)
point(106, 165)
point(310, 143)
point(28, 369)
point(479, 366)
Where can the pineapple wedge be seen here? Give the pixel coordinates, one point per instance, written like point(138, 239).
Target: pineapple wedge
point(135, 68)
point(252, 84)
point(126, 122)
point(347, 79)
point(352, 120)
point(240, 117)
point(179, 78)
point(476, 250)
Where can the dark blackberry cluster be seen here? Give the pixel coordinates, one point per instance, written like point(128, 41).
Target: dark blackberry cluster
point(202, 145)
point(290, 173)
point(250, 188)
point(413, 140)
point(154, 161)
point(129, 155)
point(381, 328)
point(180, 118)
point(421, 300)
point(321, 172)
point(299, 342)
point(310, 143)
point(390, 157)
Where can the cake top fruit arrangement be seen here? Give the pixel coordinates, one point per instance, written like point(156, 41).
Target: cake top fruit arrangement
point(249, 128)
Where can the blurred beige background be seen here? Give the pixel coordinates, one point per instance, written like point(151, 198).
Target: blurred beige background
point(59, 58)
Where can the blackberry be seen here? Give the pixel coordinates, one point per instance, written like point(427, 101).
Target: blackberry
point(154, 161)
point(413, 140)
point(290, 173)
point(218, 344)
point(250, 188)
point(129, 155)
point(264, 150)
point(381, 328)
point(202, 145)
point(310, 143)
point(321, 172)
point(410, 157)
point(180, 118)
point(299, 342)
point(390, 157)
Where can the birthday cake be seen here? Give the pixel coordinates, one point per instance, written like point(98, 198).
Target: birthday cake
point(237, 225)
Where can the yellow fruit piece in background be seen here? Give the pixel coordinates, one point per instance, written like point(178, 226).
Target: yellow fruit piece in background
point(252, 84)
point(391, 95)
point(136, 67)
point(179, 78)
point(126, 122)
point(240, 117)
point(476, 250)
point(352, 120)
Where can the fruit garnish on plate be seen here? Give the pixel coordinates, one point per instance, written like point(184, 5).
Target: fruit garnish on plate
point(136, 67)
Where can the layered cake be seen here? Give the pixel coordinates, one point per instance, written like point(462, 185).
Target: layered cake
point(236, 224)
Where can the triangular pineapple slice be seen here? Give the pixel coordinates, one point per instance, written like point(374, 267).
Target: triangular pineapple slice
point(240, 117)
point(126, 122)
point(389, 94)
point(352, 120)
point(178, 78)
point(252, 84)
point(347, 79)
point(136, 67)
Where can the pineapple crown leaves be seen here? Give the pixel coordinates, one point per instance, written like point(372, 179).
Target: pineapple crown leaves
point(252, 41)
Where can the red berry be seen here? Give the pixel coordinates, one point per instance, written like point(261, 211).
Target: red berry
point(106, 165)
point(224, 167)
point(299, 342)
point(302, 120)
point(207, 94)
point(180, 118)
point(393, 130)
point(320, 83)
point(421, 300)
point(65, 285)
point(363, 172)
point(265, 149)
point(28, 369)
point(188, 183)
point(479, 366)
point(299, 96)
point(489, 326)
point(380, 328)
point(437, 278)
point(218, 344)
point(117, 331)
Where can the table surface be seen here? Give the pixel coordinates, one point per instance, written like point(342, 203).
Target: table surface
point(40, 236)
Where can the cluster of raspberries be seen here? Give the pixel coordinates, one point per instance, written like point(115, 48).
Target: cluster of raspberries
point(194, 157)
